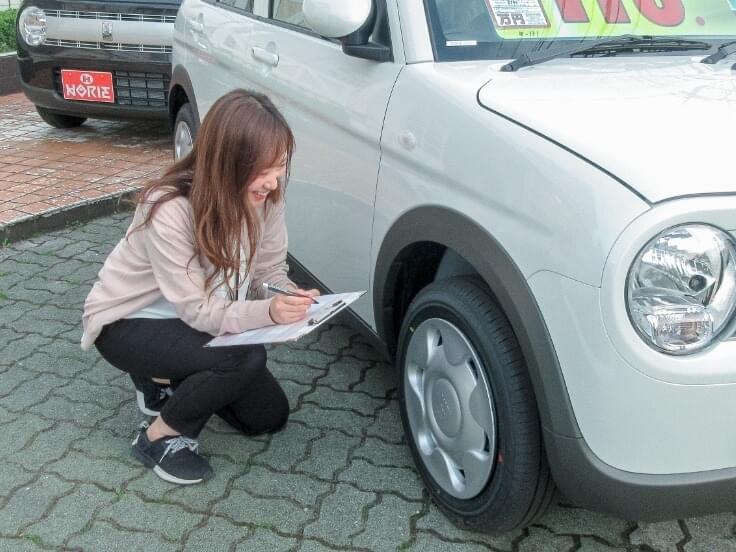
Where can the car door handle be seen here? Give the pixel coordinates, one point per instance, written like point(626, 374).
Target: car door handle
point(196, 26)
point(261, 54)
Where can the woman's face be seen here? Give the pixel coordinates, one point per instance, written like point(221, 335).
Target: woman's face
point(265, 183)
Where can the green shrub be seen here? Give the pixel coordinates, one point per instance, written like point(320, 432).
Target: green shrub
point(7, 30)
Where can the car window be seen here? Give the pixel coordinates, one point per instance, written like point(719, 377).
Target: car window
point(243, 5)
point(289, 11)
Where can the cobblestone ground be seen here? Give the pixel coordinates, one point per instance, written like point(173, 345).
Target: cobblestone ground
point(339, 477)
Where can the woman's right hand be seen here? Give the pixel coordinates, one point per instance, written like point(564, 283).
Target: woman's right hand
point(285, 309)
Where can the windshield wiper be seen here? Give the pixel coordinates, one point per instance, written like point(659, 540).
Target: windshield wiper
point(609, 46)
point(724, 50)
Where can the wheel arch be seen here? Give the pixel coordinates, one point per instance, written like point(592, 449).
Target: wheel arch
point(428, 233)
point(181, 91)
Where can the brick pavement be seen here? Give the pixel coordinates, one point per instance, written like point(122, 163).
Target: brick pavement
point(339, 477)
point(44, 170)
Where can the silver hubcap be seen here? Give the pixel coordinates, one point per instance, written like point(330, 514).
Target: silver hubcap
point(182, 140)
point(450, 409)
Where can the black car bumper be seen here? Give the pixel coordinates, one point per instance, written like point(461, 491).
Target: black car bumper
point(140, 81)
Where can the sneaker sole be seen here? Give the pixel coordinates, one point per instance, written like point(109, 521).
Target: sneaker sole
point(142, 405)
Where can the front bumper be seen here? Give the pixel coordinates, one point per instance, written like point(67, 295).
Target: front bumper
point(656, 434)
point(140, 81)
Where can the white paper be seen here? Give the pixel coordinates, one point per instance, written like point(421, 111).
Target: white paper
point(518, 13)
point(326, 307)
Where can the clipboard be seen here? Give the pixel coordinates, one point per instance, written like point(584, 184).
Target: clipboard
point(326, 307)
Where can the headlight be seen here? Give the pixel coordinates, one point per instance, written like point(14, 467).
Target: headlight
point(32, 26)
point(682, 288)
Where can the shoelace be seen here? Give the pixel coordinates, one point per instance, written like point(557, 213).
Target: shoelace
point(164, 392)
point(175, 444)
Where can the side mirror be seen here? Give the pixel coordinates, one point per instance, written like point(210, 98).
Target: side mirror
point(337, 19)
point(352, 22)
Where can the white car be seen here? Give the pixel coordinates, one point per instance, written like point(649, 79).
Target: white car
point(539, 197)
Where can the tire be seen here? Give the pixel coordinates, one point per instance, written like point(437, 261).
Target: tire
point(185, 131)
point(469, 411)
point(57, 120)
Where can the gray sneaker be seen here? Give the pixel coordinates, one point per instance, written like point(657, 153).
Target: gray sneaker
point(173, 459)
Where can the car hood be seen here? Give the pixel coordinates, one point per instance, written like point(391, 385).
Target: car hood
point(663, 125)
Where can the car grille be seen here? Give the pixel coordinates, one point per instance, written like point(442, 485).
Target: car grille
point(134, 89)
point(110, 16)
point(107, 46)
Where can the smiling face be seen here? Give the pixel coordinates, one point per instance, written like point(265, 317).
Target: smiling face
point(264, 183)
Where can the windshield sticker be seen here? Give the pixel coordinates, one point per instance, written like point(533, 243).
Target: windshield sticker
point(517, 19)
point(456, 43)
point(513, 14)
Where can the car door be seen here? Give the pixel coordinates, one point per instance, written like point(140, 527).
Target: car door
point(335, 105)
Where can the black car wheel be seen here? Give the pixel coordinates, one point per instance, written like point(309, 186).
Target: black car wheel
point(57, 120)
point(185, 131)
point(469, 411)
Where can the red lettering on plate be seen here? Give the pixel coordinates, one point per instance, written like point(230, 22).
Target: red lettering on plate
point(572, 11)
point(614, 11)
point(665, 13)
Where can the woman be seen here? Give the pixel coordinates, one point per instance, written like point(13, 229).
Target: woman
point(203, 240)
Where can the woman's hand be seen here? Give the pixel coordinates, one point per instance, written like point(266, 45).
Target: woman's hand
point(285, 309)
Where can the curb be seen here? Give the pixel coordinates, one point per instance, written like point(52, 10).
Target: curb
point(9, 76)
point(66, 216)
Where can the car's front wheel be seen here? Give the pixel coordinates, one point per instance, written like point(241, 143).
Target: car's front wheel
point(185, 131)
point(57, 120)
point(469, 411)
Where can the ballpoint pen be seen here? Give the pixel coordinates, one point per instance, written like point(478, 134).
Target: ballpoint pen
point(282, 291)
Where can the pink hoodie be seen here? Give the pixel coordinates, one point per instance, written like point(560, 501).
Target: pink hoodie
point(154, 262)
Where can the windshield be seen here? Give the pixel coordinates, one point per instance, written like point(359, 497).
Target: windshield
point(503, 29)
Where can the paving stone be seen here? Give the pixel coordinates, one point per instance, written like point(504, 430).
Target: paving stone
point(36, 297)
point(294, 391)
point(344, 400)
point(287, 447)
point(85, 414)
point(29, 503)
point(131, 512)
point(386, 479)
point(267, 513)
point(344, 420)
point(262, 482)
point(263, 539)
point(662, 536)
point(18, 433)
point(105, 396)
point(344, 373)
point(49, 445)
point(309, 545)
point(294, 372)
point(426, 541)
point(329, 454)
point(70, 514)
point(291, 355)
point(381, 453)
point(65, 367)
point(712, 533)
point(388, 524)
point(542, 540)
point(435, 522)
point(589, 544)
point(567, 520)
point(104, 537)
point(199, 497)
point(363, 351)
point(17, 350)
point(217, 534)
point(12, 476)
point(340, 516)
point(380, 381)
point(335, 339)
point(109, 473)
point(387, 424)
point(12, 378)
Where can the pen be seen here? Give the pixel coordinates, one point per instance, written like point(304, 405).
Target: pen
point(276, 289)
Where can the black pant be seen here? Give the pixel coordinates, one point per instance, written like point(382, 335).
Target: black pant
point(232, 382)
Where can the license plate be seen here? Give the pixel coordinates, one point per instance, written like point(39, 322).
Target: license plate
point(87, 86)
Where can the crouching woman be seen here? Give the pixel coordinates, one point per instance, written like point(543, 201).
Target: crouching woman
point(204, 238)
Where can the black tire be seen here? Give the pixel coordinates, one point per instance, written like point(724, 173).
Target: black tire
point(185, 116)
point(520, 487)
point(57, 120)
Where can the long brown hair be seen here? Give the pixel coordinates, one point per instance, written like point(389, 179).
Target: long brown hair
point(242, 135)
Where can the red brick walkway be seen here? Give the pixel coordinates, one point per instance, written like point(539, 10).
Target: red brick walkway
point(44, 170)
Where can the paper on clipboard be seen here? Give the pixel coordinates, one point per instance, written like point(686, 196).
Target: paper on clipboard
point(326, 307)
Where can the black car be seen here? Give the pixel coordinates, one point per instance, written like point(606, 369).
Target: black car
point(107, 60)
